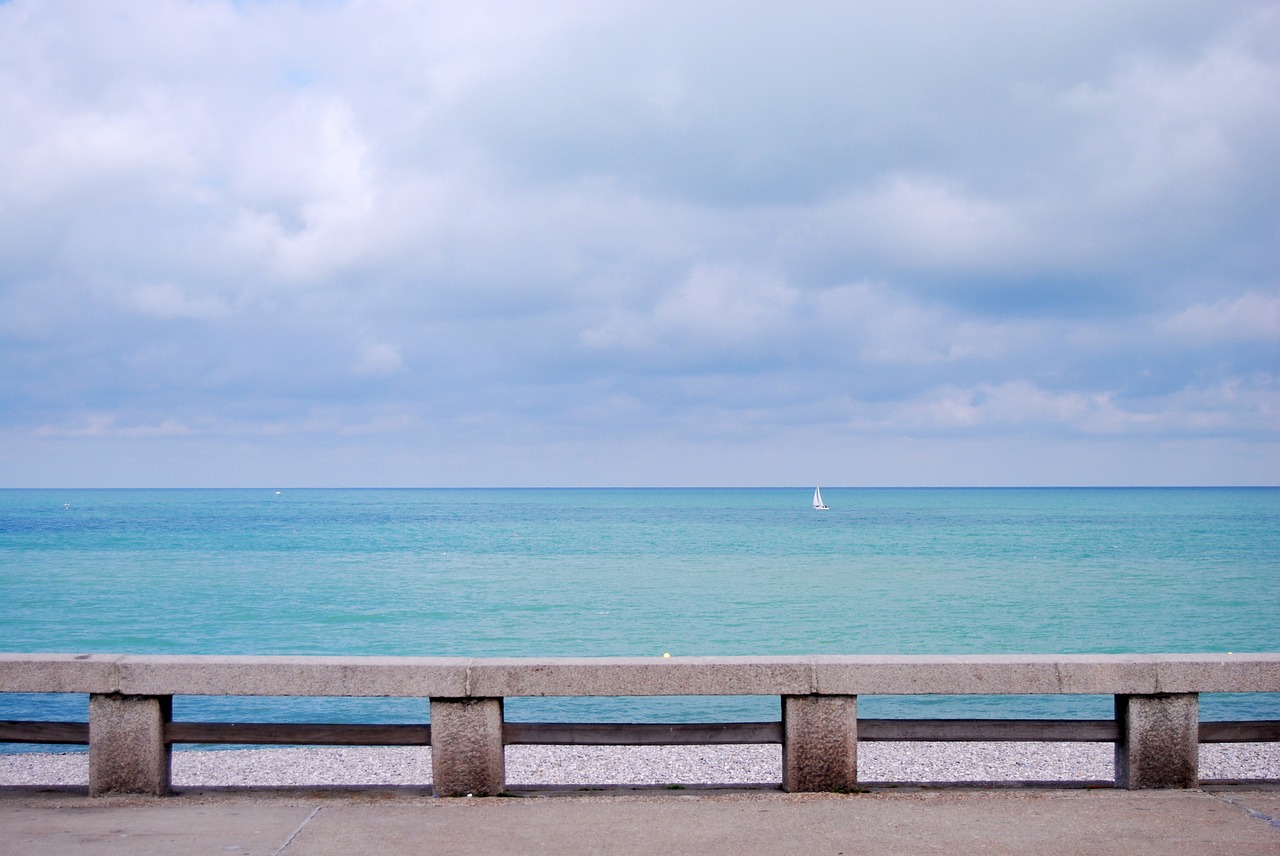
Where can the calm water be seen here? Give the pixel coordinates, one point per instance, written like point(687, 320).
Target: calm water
point(639, 572)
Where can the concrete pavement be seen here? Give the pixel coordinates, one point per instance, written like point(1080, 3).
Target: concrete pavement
point(1233, 821)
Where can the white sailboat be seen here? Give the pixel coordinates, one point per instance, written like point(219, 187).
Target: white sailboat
point(818, 504)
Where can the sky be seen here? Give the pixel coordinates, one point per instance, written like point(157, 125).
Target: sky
point(469, 243)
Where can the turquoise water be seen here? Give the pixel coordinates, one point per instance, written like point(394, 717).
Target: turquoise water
point(640, 572)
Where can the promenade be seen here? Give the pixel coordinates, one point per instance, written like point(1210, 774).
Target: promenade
point(1228, 820)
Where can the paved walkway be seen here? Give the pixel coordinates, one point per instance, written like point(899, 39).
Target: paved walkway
point(1228, 821)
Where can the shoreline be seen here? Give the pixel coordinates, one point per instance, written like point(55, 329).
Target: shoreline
point(887, 762)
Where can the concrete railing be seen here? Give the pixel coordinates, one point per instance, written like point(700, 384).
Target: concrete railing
point(1156, 730)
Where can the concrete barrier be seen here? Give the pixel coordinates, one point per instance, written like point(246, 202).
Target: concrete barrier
point(131, 700)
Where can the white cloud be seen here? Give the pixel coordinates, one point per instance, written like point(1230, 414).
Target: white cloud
point(725, 303)
point(1159, 124)
point(107, 425)
point(1249, 317)
point(168, 301)
point(1012, 404)
point(1022, 406)
point(379, 359)
point(379, 424)
point(55, 155)
point(920, 221)
point(885, 327)
point(305, 192)
point(715, 305)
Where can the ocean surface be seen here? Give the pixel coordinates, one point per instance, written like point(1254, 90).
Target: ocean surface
point(585, 572)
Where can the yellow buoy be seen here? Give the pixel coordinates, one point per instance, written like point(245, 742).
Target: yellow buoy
point(666, 656)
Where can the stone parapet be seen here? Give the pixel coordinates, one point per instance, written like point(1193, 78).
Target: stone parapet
point(819, 743)
point(641, 676)
point(466, 747)
point(405, 677)
point(130, 701)
point(1159, 745)
point(127, 750)
point(59, 673)
point(459, 677)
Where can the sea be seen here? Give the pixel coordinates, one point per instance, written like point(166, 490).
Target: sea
point(638, 572)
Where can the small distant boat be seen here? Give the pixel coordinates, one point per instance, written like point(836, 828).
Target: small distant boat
point(818, 504)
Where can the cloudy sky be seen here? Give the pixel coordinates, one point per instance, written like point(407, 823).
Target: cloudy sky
point(389, 242)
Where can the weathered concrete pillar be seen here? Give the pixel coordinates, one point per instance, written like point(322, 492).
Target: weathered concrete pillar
point(127, 750)
point(819, 743)
point(466, 747)
point(1159, 741)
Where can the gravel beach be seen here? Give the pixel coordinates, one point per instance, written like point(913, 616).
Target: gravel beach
point(646, 765)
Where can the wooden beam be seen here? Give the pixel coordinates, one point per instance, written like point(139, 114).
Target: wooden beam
point(964, 730)
point(639, 734)
point(18, 731)
point(635, 734)
point(912, 730)
point(1262, 731)
point(297, 734)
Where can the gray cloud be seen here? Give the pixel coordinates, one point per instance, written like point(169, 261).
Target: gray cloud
point(633, 243)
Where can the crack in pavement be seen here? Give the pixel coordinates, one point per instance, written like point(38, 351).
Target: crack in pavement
point(289, 840)
point(1257, 815)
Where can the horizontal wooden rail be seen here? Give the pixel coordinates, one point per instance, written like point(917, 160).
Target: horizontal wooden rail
point(994, 730)
point(637, 734)
point(1258, 731)
point(25, 731)
point(297, 734)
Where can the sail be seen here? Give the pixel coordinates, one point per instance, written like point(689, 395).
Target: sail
point(817, 499)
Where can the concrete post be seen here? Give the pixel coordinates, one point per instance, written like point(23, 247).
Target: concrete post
point(1159, 741)
point(466, 747)
point(819, 743)
point(127, 750)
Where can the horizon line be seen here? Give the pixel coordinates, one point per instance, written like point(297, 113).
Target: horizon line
point(660, 487)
